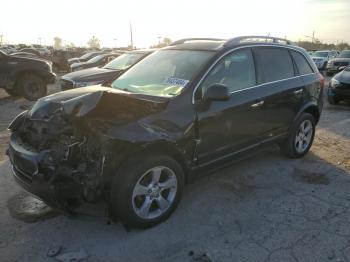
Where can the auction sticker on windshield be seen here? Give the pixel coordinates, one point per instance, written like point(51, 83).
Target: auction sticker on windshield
point(176, 81)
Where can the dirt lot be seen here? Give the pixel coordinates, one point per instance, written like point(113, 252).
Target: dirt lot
point(266, 208)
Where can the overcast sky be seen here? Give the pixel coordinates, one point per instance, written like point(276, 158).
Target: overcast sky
point(23, 21)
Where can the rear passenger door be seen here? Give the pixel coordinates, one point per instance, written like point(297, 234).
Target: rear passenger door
point(281, 87)
point(307, 75)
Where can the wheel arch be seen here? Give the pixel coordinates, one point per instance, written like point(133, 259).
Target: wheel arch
point(310, 108)
point(163, 147)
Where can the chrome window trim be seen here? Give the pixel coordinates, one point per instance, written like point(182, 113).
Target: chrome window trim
point(272, 82)
point(249, 46)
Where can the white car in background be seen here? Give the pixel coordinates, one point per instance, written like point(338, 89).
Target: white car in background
point(322, 57)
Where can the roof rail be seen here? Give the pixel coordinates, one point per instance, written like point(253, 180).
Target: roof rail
point(182, 41)
point(256, 38)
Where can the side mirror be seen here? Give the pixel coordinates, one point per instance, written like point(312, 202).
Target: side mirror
point(216, 92)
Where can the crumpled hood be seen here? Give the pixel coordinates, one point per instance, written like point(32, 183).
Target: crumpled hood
point(97, 102)
point(91, 74)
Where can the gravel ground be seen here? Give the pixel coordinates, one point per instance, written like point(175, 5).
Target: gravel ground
point(265, 208)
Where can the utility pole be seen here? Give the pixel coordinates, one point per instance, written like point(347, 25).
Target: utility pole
point(159, 37)
point(312, 37)
point(1, 40)
point(115, 42)
point(131, 40)
point(39, 39)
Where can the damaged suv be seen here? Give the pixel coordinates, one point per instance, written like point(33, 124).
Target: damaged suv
point(184, 110)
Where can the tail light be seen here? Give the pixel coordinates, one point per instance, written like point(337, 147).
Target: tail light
point(322, 79)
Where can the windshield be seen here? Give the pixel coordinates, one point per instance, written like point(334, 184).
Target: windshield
point(163, 73)
point(345, 54)
point(96, 59)
point(320, 54)
point(124, 61)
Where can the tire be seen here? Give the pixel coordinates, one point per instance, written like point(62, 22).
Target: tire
point(32, 87)
point(298, 143)
point(13, 92)
point(133, 188)
point(332, 100)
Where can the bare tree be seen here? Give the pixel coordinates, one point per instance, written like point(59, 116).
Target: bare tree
point(166, 41)
point(57, 42)
point(70, 45)
point(94, 42)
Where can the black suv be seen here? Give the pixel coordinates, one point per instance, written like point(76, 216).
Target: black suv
point(25, 76)
point(184, 110)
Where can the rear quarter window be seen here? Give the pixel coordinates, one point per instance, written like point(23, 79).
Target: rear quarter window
point(273, 64)
point(302, 64)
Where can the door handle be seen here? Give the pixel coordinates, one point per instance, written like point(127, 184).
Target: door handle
point(256, 105)
point(298, 92)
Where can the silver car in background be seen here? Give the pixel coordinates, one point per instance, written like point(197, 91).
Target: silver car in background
point(322, 57)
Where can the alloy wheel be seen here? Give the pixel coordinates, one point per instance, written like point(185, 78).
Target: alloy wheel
point(303, 136)
point(154, 193)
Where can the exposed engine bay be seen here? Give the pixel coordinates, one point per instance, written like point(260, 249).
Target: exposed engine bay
point(68, 152)
point(61, 147)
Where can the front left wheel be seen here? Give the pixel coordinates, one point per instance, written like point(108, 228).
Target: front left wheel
point(146, 190)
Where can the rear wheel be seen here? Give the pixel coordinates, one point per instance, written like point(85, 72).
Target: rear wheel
point(147, 190)
point(301, 137)
point(32, 87)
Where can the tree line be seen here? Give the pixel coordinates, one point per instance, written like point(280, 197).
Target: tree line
point(94, 42)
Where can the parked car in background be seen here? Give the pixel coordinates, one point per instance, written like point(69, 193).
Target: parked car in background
point(322, 57)
point(184, 110)
point(8, 49)
point(97, 61)
point(25, 54)
point(43, 51)
point(84, 57)
point(24, 76)
point(105, 74)
point(339, 87)
point(60, 59)
point(337, 64)
point(30, 50)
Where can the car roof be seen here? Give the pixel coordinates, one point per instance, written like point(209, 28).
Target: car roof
point(217, 44)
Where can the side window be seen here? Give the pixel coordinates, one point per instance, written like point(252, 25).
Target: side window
point(303, 66)
point(236, 71)
point(273, 64)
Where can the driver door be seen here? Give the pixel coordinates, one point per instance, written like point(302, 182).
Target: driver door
point(229, 126)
